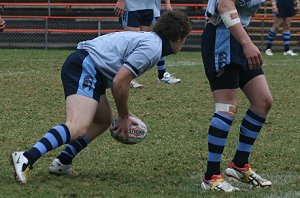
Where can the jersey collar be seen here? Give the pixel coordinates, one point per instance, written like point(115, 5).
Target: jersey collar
point(166, 46)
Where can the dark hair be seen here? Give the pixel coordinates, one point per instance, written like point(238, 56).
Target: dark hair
point(173, 25)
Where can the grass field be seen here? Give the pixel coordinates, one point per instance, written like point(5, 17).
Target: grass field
point(171, 161)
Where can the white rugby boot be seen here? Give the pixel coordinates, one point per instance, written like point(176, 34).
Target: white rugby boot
point(246, 175)
point(59, 169)
point(169, 79)
point(290, 53)
point(269, 52)
point(21, 166)
point(135, 85)
point(217, 183)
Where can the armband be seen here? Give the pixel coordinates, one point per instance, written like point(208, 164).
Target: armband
point(228, 21)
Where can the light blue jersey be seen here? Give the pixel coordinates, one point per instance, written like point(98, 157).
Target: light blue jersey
point(157, 8)
point(246, 9)
point(133, 5)
point(137, 51)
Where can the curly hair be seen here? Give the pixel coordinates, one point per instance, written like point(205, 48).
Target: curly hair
point(173, 25)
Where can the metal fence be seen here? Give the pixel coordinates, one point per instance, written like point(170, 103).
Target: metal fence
point(48, 31)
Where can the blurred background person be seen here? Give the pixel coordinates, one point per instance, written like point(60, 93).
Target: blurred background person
point(139, 16)
point(162, 75)
point(135, 16)
point(282, 10)
point(2, 24)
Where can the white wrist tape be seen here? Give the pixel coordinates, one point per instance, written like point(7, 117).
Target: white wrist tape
point(228, 21)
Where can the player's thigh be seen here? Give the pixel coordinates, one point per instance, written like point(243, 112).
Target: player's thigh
point(286, 25)
point(80, 113)
point(83, 86)
point(276, 22)
point(225, 85)
point(102, 119)
point(127, 28)
point(145, 28)
point(104, 113)
point(258, 94)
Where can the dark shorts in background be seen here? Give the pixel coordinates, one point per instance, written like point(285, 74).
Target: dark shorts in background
point(137, 18)
point(79, 76)
point(224, 61)
point(286, 8)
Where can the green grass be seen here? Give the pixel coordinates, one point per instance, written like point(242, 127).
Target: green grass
point(171, 161)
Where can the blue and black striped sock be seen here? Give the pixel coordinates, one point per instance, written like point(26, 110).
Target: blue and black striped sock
point(217, 136)
point(286, 37)
point(72, 149)
point(55, 137)
point(271, 37)
point(250, 128)
point(161, 67)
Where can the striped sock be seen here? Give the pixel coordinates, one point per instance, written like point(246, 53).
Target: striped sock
point(217, 136)
point(286, 37)
point(55, 137)
point(161, 67)
point(250, 128)
point(271, 37)
point(72, 149)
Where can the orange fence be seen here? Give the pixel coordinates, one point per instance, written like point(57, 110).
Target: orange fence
point(263, 20)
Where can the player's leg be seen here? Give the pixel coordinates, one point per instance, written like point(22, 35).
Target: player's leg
point(131, 21)
point(75, 127)
point(162, 75)
point(78, 76)
point(225, 109)
point(224, 82)
point(62, 165)
point(255, 87)
point(286, 36)
point(272, 34)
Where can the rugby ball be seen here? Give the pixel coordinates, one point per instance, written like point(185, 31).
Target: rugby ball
point(137, 132)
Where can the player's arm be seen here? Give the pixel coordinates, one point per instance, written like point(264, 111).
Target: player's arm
point(274, 7)
point(298, 6)
point(120, 91)
point(119, 8)
point(168, 5)
point(230, 18)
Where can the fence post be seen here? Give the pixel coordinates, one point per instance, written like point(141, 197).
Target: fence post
point(46, 33)
point(99, 26)
point(49, 8)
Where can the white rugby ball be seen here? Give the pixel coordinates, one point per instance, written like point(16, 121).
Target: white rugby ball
point(136, 132)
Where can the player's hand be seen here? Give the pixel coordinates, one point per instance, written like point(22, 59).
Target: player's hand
point(2, 24)
point(253, 55)
point(275, 10)
point(169, 7)
point(122, 127)
point(119, 8)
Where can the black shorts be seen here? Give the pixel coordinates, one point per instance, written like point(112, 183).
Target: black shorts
point(225, 64)
point(286, 8)
point(137, 18)
point(79, 76)
point(233, 77)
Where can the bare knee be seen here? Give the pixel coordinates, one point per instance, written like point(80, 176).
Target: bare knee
point(263, 106)
point(76, 130)
point(268, 103)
